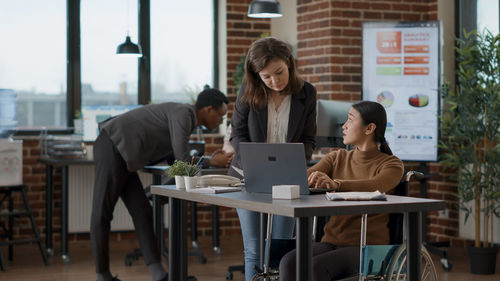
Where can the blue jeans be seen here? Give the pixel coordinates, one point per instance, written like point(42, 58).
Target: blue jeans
point(249, 221)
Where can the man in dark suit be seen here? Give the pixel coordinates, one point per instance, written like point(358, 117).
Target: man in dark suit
point(128, 142)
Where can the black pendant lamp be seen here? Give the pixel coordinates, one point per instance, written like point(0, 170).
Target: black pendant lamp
point(129, 48)
point(264, 9)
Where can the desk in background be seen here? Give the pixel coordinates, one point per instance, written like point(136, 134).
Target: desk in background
point(51, 163)
point(303, 210)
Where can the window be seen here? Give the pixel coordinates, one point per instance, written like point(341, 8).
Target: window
point(33, 60)
point(108, 78)
point(487, 16)
point(182, 41)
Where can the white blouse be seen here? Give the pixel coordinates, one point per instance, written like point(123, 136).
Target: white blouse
point(277, 120)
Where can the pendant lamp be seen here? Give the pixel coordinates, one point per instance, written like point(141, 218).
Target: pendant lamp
point(128, 47)
point(264, 9)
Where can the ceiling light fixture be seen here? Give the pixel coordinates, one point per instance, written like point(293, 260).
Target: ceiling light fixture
point(128, 47)
point(264, 9)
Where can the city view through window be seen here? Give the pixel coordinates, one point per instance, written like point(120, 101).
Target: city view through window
point(33, 58)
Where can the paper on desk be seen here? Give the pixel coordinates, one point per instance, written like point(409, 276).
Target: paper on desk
point(356, 196)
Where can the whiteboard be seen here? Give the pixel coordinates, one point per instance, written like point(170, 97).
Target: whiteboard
point(401, 71)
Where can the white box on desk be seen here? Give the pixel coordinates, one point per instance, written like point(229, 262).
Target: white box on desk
point(11, 162)
point(286, 191)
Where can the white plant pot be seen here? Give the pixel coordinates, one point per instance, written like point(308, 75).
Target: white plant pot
point(179, 182)
point(191, 182)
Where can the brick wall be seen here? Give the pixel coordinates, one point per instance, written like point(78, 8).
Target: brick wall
point(241, 32)
point(329, 56)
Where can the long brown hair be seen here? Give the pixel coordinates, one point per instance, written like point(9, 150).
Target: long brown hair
point(373, 112)
point(260, 53)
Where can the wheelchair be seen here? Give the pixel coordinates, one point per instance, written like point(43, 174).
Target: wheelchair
point(377, 262)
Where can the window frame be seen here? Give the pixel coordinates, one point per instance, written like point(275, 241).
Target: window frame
point(73, 70)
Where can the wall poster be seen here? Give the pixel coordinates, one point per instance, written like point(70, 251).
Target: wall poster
point(401, 71)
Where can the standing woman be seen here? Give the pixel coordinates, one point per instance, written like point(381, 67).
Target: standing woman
point(274, 106)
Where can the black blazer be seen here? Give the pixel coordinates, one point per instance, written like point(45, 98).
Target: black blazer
point(249, 125)
point(153, 133)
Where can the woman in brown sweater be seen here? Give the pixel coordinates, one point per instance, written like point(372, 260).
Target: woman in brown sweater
point(370, 166)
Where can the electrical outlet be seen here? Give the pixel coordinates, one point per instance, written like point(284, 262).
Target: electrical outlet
point(444, 214)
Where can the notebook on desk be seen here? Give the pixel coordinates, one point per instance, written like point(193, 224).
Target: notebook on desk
point(268, 164)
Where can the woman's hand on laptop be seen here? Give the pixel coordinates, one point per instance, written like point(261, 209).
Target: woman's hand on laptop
point(321, 180)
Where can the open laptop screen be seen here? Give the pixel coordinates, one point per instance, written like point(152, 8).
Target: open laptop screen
point(268, 164)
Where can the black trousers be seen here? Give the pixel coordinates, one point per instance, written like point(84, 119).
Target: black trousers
point(113, 181)
point(330, 262)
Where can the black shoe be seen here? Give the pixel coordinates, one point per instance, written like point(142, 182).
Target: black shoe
point(165, 278)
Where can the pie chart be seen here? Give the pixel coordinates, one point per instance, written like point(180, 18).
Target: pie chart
point(385, 98)
point(418, 100)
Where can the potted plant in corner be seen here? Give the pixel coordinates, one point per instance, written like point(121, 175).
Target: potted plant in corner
point(178, 170)
point(471, 140)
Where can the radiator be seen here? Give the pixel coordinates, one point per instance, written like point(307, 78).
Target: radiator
point(80, 189)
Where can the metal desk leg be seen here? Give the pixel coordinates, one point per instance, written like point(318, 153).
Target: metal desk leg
point(262, 238)
point(157, 220)
point(215, 230)
point(177, 253)
point(304, 249)
point(413, 245)
point(194, 226)
point(64, 218)
point(158, 224)
point(10, 226)
point(49, 188)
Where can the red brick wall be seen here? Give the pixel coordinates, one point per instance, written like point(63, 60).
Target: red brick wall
point(241, 32)
point(329, 39)
point(329, 56)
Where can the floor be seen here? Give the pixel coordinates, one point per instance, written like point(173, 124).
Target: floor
point(28, 265)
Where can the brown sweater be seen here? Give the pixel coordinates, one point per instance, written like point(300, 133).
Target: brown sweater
point(357, 170)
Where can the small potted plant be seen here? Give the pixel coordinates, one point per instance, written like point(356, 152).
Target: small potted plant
point(191, 177)
point(178, 170)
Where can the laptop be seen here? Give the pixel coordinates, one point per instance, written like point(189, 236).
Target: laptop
point(268, 164)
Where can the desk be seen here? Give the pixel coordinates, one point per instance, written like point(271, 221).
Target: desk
point(158, 171)
point(303, 210)
point(51, 163)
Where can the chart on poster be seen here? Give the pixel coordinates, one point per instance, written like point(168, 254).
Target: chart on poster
point(401, 71)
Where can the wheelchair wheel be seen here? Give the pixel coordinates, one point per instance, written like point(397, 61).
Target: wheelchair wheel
point(397, 267)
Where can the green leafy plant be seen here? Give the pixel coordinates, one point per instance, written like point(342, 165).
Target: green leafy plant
point(470, 129)
point(240, 72)
point(192, 170)
point(182, 168)
point(179, 168)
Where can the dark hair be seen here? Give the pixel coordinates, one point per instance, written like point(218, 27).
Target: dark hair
point(210, 96)
point(373, 112)
point(260, 53)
